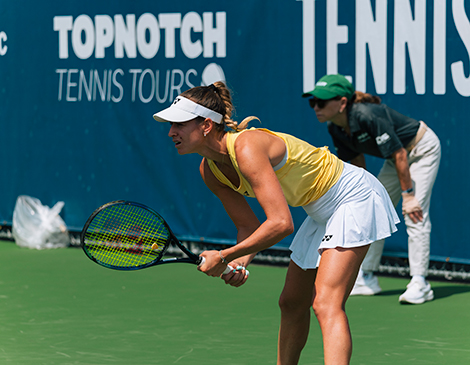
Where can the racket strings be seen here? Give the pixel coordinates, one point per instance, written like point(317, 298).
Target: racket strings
point(126, 236)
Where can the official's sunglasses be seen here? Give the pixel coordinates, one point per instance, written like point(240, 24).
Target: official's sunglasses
point(321, 103)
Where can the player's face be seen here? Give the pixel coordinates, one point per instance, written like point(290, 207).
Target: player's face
point(186, 136)
point(325, 109)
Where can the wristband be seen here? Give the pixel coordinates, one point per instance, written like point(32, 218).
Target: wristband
point(222, 258)
point(407, 191)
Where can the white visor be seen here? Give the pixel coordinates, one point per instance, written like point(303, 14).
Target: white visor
point(183, 110)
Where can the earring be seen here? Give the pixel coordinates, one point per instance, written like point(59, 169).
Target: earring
point(205, 134)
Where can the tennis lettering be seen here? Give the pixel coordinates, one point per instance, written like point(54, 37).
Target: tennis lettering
point(387, 49)
point(148, 36)
point(144, 85)
point(143, 36)
point(3, 46)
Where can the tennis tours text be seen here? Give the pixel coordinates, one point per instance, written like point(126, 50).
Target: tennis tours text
point(149, 37)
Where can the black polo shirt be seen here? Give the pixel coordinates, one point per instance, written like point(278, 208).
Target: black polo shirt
point(376, 130)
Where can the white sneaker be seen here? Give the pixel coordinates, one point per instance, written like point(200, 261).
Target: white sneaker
point(366, 285)
point(417, 292)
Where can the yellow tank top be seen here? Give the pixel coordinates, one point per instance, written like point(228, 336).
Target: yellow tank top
point(307, 174)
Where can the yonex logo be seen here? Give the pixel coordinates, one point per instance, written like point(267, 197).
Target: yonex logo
point(322, 83)
point(382, 139)
point(327, 238)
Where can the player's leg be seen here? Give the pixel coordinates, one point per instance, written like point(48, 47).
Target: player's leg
point(367, 283)
point(295, 303)
point(335, 278)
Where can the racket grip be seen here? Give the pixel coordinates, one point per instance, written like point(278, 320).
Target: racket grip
point(226, 271)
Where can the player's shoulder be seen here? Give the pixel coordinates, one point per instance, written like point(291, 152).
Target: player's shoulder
point(253, 137)
point(255, 145)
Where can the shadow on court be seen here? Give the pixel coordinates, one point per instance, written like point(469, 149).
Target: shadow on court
point(391, 292)
point(440, 292)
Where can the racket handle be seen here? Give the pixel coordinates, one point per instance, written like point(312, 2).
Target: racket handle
point(226, 271)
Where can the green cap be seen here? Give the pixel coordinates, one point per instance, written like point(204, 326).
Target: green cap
point(331, 86)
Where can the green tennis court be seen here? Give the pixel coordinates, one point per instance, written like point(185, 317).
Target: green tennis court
point(57, 307)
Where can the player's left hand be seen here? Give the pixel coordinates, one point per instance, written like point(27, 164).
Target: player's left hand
point(238, 276)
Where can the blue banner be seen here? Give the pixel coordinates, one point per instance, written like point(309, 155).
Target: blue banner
point(80, 81)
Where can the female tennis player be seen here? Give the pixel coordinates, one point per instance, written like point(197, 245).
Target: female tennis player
point(347, 209)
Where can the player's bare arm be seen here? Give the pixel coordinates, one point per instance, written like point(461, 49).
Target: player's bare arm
point(256, 153)
point(239, 212)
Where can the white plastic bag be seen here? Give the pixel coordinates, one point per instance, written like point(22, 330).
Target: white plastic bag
point(38, 226)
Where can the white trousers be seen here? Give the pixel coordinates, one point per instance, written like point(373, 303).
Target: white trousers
point(424, 162)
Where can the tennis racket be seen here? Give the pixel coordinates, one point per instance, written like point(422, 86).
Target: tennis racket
point(123, 235)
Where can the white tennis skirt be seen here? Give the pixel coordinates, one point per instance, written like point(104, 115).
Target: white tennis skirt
point(356, 211)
